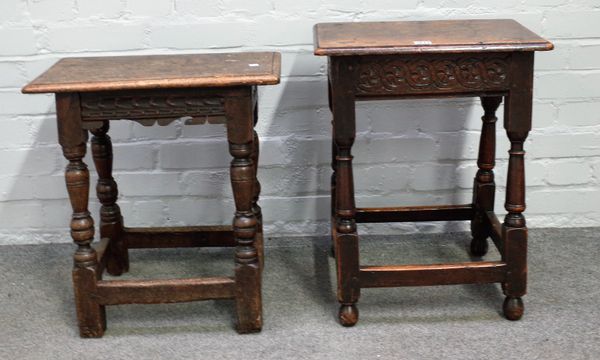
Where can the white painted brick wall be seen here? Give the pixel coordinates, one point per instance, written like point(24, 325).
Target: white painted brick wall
point(100, 9)
point(18, 41)
point(407, 152)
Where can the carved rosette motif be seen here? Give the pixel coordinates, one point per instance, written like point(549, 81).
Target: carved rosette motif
point(415, 75)
point(147, 109)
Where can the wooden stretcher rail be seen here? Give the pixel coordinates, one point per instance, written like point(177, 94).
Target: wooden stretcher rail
point(172, 237)
point(113, 292)
point(415, 213)
point(434, 274)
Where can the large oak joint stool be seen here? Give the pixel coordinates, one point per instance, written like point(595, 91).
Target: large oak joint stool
point(491, 59)
point(218, 88)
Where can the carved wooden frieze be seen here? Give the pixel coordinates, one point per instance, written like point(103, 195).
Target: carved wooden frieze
point(424, 74)
point(150, 108)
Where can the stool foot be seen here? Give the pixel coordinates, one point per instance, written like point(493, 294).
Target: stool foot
point(348, 315)
point(247, 329)
point(513, 308)
point(479, 247)
point(90, 315)
point(118, 258)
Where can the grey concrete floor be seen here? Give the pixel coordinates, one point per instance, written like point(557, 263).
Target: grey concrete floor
point(562, 320)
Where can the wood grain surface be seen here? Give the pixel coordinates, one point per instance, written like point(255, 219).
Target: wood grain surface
point(158, 71)
point(492, 59)
point(449, 36)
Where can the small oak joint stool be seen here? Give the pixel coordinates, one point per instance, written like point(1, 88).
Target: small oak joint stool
point(218, 88)
point(491, 59)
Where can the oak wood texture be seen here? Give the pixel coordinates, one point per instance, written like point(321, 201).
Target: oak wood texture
point(111, 221)
point(484, 187)
point(163, 291)
point(89, 94)
point(158, 106)
point(414, 213)
point(432, 75)
point(410, 37)
point(148, 105)
point(490, 59)
point(433, 274)
point(158, 71)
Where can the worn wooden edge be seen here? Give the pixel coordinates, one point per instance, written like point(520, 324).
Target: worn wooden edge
point(316, 47)
point(153, 84)
point(432, 274)
point(495, 228)
point(215, 82)
point(457, 48)
point(114, 292)
point(276, 69)
point(178, 237)
point(415, 213)
point(430, 49)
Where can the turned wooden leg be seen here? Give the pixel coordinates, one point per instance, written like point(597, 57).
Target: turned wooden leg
point(514, 230)
point(91, 316)
point(259, 243)
point(247, 267)
point(333, 201)
point(517, 122)
point(111, 221)
point(333, 165)
point(484, 187)
point(345, 237)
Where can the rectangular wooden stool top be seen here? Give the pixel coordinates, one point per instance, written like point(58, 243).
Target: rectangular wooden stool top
point(440, 36)
point(158, 71)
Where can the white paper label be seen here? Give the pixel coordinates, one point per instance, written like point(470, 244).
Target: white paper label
point(422, 42)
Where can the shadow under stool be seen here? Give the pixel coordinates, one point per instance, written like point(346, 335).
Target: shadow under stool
point(218, 88)
point(490, 59)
